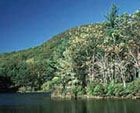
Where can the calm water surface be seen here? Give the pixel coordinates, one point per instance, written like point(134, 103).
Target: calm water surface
point(41, 103)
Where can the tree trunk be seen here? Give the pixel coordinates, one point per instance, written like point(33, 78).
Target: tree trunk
point(139, 72)
point(124, 84)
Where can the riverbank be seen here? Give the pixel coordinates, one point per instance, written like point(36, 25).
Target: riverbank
point(69, 96)
point(94, 97)
point(100, 91)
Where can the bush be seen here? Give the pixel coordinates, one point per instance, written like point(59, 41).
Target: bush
point(47, 86)
point(110, 88)
point(90, 88)
point(133, 87)
point(98, 90)
point(118, 90)
point(136, 86)
point(77, 90)
point(130, 89)
point(25, 89)
point(56, 80)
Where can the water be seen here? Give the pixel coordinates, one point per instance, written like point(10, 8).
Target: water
point(41, 103)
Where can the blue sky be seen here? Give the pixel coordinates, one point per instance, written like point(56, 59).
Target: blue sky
point(28, 23)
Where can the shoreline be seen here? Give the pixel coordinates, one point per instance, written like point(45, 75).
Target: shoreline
point(94, 97)
point(59, 96)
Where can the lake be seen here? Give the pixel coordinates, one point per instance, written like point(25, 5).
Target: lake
point(42, 103)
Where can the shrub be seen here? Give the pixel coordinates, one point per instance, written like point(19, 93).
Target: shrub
point(98, 90)
point(130, 88)
point(110, 88)
point(47, 86)
point(136, 86)
point(56, 80)
point(90, 88)
point(118, 90)
point(77, 90)
point(25, 89)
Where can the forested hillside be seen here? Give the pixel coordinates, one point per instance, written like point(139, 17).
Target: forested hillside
point(95, 59)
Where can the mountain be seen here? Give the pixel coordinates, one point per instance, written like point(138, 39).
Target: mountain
point(99, 59)
point(43, 53)
point(45, 50)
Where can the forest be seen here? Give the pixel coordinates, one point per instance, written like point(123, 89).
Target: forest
point(100, 59)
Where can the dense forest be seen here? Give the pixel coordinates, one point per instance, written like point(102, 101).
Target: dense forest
point(101, 59)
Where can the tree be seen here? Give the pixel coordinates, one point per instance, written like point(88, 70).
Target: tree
point(112, 15)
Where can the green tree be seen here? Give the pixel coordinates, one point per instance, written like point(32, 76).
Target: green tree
point(112, 15)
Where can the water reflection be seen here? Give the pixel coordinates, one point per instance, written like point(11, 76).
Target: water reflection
point(43, 104)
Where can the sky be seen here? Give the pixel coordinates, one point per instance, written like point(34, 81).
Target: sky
point(29, 23)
